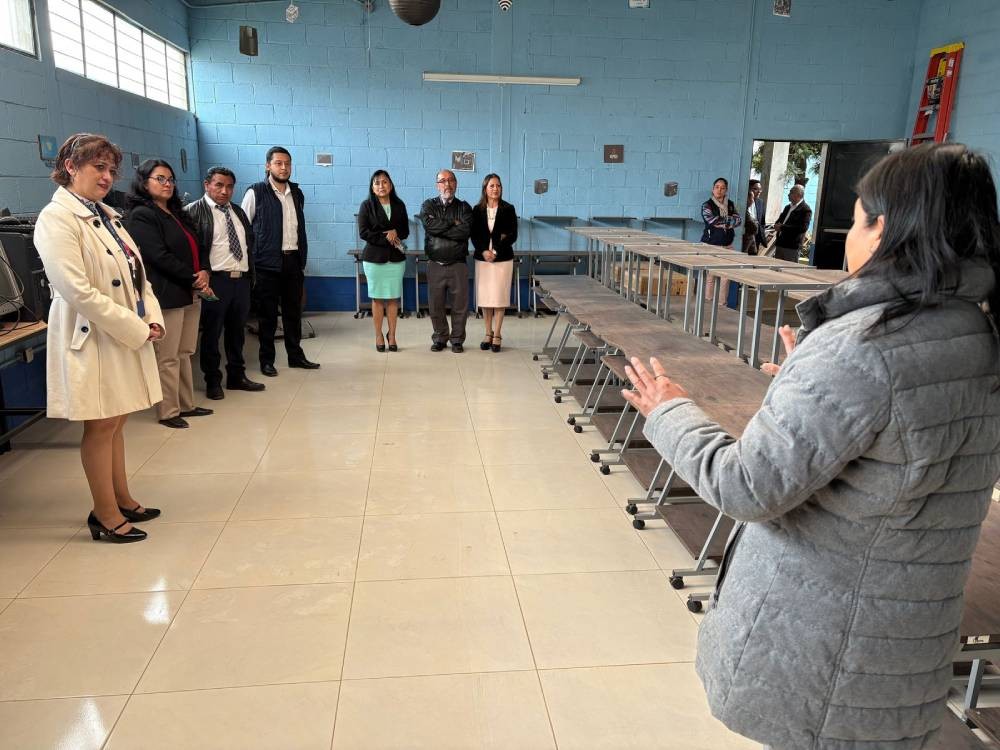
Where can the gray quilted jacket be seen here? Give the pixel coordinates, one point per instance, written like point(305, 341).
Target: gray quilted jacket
point(863, 479)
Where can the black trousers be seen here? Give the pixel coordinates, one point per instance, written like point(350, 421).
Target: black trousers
point(441, 280)
point(284, 287)
point(226, 317)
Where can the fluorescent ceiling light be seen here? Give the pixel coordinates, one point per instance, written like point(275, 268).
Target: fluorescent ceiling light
point(501, 79)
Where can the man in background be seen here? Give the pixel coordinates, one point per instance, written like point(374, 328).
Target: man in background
point(225, 230)
point(792, 225)
point(275, 209)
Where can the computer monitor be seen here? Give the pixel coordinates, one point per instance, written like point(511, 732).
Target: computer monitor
point(11, 298)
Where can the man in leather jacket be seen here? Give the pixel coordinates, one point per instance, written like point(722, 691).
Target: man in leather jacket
point(224, 229)
point(447, 222)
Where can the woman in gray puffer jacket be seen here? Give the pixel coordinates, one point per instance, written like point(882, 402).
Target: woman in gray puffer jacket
point(864, 478)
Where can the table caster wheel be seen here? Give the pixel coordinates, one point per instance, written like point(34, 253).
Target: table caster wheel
point(605, 470)
point(677, 582)
point(534, 357)
point(571, 420)
point(632, 508)
point(357, 315)
point(694, 606)
point(545, 376)
point(558, 399)
point(577, 429)
point(595, 457)
point(638, 523)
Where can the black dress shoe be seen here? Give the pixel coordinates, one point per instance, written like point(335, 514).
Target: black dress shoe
point(393, 348)
point(438, 346)
point(269, 370)
point(137, 516)
point(198, 411)
point(304, 364)
point(176, 422)
point(244, 385)
point(98, 531)
point(215, 392)
point(457, 348)
point(380, 348)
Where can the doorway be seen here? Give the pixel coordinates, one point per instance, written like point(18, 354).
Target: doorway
point(828, 172)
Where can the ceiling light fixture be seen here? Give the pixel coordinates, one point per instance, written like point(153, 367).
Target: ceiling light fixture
point(502, 79)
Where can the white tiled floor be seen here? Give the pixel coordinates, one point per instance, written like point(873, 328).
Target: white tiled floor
point(406, 550)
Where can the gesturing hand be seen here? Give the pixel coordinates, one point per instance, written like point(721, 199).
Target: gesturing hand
point(651, 388)
point(788, 339)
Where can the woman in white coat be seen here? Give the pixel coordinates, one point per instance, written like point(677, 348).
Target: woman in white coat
point(103, 320)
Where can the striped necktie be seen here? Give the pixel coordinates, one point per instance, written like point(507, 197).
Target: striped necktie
point(234, 240)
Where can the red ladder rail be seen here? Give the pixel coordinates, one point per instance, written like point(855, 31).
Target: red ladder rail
point(938, 96)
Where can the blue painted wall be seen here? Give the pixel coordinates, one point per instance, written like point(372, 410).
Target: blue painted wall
point(36, 98)
point(976, 117)
point(685, 86)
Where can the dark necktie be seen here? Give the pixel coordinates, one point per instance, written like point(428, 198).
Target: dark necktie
point(234, 240)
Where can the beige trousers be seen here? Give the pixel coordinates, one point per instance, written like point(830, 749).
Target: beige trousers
point(173, 357)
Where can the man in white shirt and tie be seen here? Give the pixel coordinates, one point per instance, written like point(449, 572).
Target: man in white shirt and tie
point(224, 229)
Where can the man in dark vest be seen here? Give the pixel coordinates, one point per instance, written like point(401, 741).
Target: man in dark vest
point(274, 207)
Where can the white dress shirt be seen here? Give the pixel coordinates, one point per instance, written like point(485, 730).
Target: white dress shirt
point(289, 221)
point(220, 257)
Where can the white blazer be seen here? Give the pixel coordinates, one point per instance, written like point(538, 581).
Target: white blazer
point(99, 363)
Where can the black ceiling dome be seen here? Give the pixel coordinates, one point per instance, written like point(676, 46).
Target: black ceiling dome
point(415, 12)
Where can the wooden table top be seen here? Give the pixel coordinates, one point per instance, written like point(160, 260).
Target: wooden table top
point(10, 335)
point(771, 278)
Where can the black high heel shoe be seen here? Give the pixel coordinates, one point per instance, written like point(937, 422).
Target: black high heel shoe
point(98, 531)
point(485, 345)
point(138, 516)
point(496, 343)
point(380, 348)
point(393, 348)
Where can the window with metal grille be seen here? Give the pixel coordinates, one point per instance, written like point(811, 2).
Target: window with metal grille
point(92, 40)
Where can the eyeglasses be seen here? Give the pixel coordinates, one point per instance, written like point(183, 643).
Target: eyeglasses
point(446, 180)
point(165, 180)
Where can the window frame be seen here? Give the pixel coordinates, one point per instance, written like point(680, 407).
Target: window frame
point(35, 53)
point(117, 18)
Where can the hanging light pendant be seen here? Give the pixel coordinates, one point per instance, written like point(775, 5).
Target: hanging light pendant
point(415, 12)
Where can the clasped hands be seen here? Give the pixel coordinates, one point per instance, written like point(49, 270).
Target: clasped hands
point(201, 283)
point(393, 237)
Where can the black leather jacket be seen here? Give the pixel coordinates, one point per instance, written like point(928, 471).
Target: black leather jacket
point(446, 229)
point(204, 222)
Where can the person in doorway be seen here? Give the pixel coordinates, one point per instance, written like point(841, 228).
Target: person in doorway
point(225, 231)
point(792, 225)
point(721, 219)
point(104, 318)
point(754, 237)
point(447, 222)
point(494, 232)
point(275, 209)
point(383, 225)
point(177, 269)
point(863, 480)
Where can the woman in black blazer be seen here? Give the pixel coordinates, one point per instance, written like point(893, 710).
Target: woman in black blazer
point(178, 271)
point(494, 232)
point(383, 225)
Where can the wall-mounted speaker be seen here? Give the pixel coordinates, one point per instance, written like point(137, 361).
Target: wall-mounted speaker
point(248, 41)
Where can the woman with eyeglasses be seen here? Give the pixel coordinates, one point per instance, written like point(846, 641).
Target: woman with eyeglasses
point(104, 317)
point(178, 271)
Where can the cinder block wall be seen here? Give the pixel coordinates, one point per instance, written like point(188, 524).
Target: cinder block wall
point(976, 117)
point(36, 98)
point(685, 86)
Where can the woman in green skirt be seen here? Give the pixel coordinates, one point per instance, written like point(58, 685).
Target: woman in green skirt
point(383, 225)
